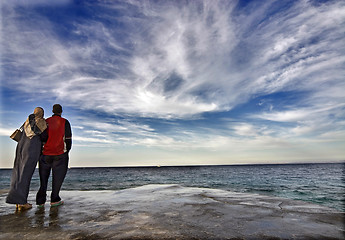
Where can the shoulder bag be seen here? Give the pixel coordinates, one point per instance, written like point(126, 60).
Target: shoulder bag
point(17, 134)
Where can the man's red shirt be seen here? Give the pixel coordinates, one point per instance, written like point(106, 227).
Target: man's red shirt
point(56, 130)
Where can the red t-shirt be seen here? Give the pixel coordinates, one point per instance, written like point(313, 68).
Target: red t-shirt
point(56, 136)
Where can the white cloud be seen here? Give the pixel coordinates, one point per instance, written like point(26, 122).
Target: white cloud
point(36, 2)
point(92, 140)
point(245, 129)
point(302, 114)
point(174, 60)
point(222, 61)
point(6, 132)
point(286, 116)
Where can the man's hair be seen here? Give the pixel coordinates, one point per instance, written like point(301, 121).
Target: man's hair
point(57, 108)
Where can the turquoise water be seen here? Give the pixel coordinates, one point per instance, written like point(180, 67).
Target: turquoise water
point(317, 183)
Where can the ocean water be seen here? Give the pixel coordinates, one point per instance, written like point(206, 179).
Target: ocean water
point(322, 184)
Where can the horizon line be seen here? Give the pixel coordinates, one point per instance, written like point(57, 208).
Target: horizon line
point(205, 165)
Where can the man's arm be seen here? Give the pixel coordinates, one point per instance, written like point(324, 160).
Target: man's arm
point(68, 136)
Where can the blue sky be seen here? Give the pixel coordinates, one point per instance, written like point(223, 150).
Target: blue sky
point(179, 82)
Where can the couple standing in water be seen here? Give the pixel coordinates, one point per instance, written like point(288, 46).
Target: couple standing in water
point(55, 135)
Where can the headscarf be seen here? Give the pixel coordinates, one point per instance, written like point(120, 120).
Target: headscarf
point(35, 124)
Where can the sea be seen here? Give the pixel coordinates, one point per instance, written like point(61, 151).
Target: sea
point(322, 184)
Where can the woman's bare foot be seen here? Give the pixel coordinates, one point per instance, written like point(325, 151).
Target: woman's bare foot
point(21, 207)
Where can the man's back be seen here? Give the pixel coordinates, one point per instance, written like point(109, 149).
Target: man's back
point(56, 136)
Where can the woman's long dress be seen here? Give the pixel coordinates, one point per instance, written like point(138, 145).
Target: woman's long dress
point(28, 152)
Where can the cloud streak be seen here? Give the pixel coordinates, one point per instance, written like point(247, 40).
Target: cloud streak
point(179, 61)
point(220, 61)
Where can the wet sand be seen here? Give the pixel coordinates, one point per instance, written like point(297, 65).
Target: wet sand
point(170, 212)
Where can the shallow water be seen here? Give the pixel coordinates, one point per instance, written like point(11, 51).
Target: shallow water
point(170, 212)
point(317, 183)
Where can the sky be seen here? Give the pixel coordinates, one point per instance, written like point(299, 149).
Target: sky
point(147, 83)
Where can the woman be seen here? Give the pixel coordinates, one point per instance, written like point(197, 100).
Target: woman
point(27, 155)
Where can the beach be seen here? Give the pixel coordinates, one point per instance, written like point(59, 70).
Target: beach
point(170, 211)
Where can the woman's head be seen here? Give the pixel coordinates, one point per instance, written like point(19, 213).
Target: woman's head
point(39, 112)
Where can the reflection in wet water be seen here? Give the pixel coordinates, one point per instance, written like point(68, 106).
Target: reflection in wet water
point(39, 217)
point(21, 220)
point(54, 217)
point(33, 218)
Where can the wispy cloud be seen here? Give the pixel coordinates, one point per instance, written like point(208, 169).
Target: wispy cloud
point(176, 60)
point(302, 114)
point(6, 132)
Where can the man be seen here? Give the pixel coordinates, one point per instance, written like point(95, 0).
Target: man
point(54, 157)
